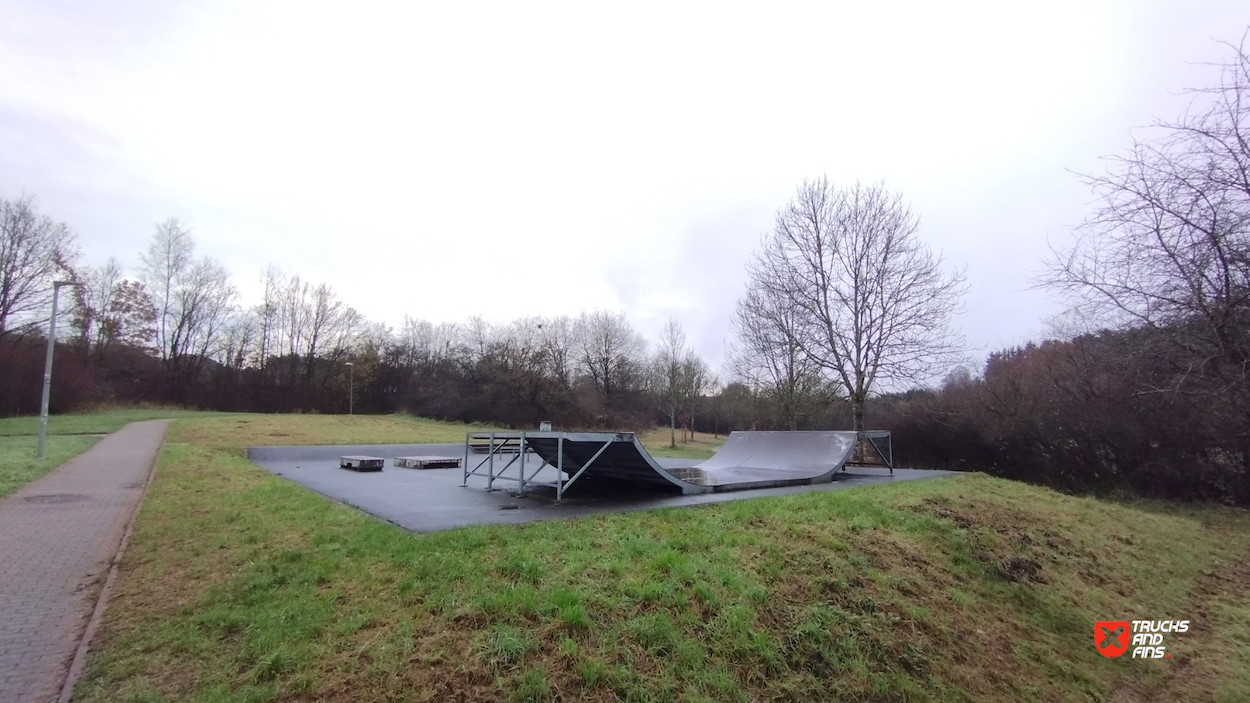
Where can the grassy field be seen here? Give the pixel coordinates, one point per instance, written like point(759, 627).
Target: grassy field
point(97, 422)
point(700, 446)
point(266, 430)
point(18, 465)
point(240, 586)
point(68, 436)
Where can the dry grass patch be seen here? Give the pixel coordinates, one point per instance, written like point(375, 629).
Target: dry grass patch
point(265, 430)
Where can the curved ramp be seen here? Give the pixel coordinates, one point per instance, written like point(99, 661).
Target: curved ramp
point(747, 459)
point(611, 455)
point(763, 459)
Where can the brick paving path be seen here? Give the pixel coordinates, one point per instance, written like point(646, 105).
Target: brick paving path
point(58, 537)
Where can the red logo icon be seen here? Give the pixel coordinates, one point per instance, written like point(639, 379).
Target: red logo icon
point(1111, 637)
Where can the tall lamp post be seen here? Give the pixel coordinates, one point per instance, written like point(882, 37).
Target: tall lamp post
point(47, 368)
point(351, 386)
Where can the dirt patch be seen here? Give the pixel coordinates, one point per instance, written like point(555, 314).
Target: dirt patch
point(940, 508)
point(1021, 545)
point(1017, 569)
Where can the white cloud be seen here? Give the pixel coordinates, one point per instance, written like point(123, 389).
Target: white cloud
point(506, 159)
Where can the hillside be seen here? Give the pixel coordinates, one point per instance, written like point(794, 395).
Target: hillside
point(241, 586)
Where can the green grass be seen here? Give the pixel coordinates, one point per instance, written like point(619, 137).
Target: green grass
point(95, 422)
point(18, 465)
point(68, 436)
point(247, 430)
point(697, 445)
point(241, 586)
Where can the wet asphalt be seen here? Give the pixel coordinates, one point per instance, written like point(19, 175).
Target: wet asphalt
point(428, 500)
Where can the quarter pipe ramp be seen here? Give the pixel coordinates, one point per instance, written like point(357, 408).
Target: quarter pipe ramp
point(747, 459)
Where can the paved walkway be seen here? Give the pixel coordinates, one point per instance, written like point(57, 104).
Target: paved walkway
point(58, 537)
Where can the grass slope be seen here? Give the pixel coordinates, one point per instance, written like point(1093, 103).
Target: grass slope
point(240, 586)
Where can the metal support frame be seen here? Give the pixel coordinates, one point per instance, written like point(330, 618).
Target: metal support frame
point(871, 436)
point(561, 484)
point(505, 441)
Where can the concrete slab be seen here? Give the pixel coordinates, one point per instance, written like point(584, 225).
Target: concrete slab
point(432, 500)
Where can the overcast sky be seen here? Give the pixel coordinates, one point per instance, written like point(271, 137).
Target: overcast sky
point(449, 159)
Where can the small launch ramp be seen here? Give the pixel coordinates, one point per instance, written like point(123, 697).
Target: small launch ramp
point(747, 459)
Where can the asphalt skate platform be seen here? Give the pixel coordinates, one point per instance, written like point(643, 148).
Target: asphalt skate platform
point(438, 499)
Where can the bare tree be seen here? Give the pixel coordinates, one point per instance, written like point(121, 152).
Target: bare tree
point(520, 360)
point(478, 335)
point(698, 380)
point(202, 304)
point(269, 318)
point(167, 259)
point(613, 354)
point(1168, 249)
point(669, 377)
point(305, 325)
point(34, 251)
point(94, 297)
point(239, 337)
point(294, 316)
point(350, 330)
point(424, 345)
point(193, 299)
point(559, 340)
point(328, 316)
point(872, 304)
point(769, 358)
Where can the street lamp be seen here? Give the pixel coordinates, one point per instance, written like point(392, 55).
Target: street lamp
point(351, 385)
point(47, 368)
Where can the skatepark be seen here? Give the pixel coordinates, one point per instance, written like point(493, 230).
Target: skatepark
point(517, 477)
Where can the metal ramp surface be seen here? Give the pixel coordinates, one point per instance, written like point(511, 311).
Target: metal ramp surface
point(765, 459)
point(747, 460)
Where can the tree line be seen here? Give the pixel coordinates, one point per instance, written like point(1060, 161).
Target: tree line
point(176, 332)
